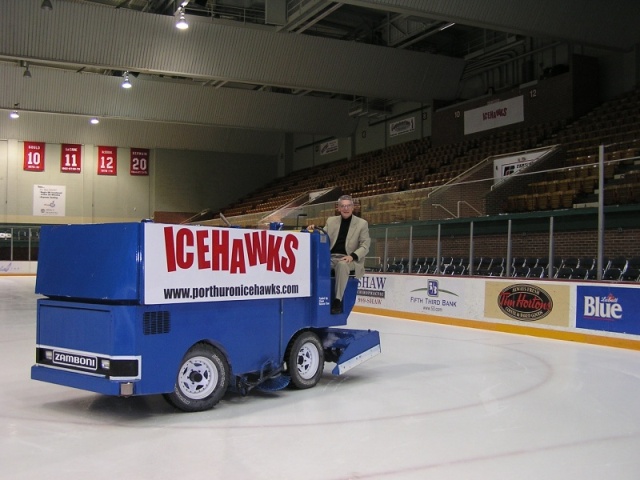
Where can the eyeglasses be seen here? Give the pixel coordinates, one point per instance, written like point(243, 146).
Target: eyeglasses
point(345, 206)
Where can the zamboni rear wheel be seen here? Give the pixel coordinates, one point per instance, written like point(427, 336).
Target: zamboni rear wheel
point(202, 379)
point(305, 360)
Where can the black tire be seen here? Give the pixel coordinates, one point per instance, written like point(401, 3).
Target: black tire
point(305, 360)
point(202, 379)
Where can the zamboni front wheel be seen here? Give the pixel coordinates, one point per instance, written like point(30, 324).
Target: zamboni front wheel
point(305, 360)
point(202, 379)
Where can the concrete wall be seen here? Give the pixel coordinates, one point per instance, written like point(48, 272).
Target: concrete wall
point(372, 133)
point(185, 181)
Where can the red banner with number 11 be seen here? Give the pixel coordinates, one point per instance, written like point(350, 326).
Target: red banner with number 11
point(71, 158)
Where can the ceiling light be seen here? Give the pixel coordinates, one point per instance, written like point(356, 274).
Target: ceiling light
point(14, 114)
point(126, 83)
point(26, 73)
point(94, 121)
point(46, 5)
point(182, 22)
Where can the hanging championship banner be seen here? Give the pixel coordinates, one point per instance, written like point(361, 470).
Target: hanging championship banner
point(107, 160)
point(139, 161)
point(34, 156)
point(71, 158)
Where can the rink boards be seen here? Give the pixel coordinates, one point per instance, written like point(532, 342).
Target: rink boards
point(605, 313)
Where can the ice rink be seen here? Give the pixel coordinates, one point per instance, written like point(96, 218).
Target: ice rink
point(439, 403)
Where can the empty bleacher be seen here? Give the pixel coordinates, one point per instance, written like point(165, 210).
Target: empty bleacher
point(392, 185)
point(412, 169)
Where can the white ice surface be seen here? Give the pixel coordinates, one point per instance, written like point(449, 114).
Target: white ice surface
point(439, 403)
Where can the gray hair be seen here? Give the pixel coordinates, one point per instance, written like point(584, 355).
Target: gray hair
point(346, 198)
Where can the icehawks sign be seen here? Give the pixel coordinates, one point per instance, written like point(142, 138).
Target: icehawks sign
point(185, 264)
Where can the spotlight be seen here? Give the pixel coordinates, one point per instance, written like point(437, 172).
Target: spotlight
point(46, 5)
point(14, 114)
point(94, 121)
point(126, 83)
point(182, 22)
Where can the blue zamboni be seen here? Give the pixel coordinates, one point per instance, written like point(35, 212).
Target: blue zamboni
point(189, 311)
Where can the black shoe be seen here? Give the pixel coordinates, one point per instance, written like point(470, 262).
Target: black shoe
point(336, 306)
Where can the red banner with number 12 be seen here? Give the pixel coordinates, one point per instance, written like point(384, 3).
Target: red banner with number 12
point(107, 160)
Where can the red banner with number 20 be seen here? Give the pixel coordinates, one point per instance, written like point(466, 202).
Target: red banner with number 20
point(139, 161)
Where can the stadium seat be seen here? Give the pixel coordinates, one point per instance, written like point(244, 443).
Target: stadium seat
point(459, 270)
point(631, 274)
point(587, 262)
point(579, 273)
point(496, 271)
point(612, 273)
point(618, 262)
point(571, 262)
point(521, 272)
point(564, 272)
point(537, 272)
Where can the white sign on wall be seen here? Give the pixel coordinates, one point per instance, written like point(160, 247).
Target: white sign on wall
point(494, 115)
point(406, 125)
point(49, 200)
point(512, 164)
point(329, 147)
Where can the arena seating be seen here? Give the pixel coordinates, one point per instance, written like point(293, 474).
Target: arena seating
point(409, 168)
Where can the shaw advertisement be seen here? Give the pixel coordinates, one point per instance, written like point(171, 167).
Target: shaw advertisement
point(206, 264)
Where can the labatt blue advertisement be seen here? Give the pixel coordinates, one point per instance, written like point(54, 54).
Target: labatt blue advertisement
point(609, 309)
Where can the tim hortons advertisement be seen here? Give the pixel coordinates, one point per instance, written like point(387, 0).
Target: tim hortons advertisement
point(185, 264)
point(546, 303)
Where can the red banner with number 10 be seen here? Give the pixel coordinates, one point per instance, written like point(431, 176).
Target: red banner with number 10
point(34, 156)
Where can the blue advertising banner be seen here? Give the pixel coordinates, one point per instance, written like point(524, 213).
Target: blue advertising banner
point(611, 309)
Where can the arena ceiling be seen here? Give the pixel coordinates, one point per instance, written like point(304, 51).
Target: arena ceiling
point(246, 72)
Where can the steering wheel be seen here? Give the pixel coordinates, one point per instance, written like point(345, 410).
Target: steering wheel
point(320, 229)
